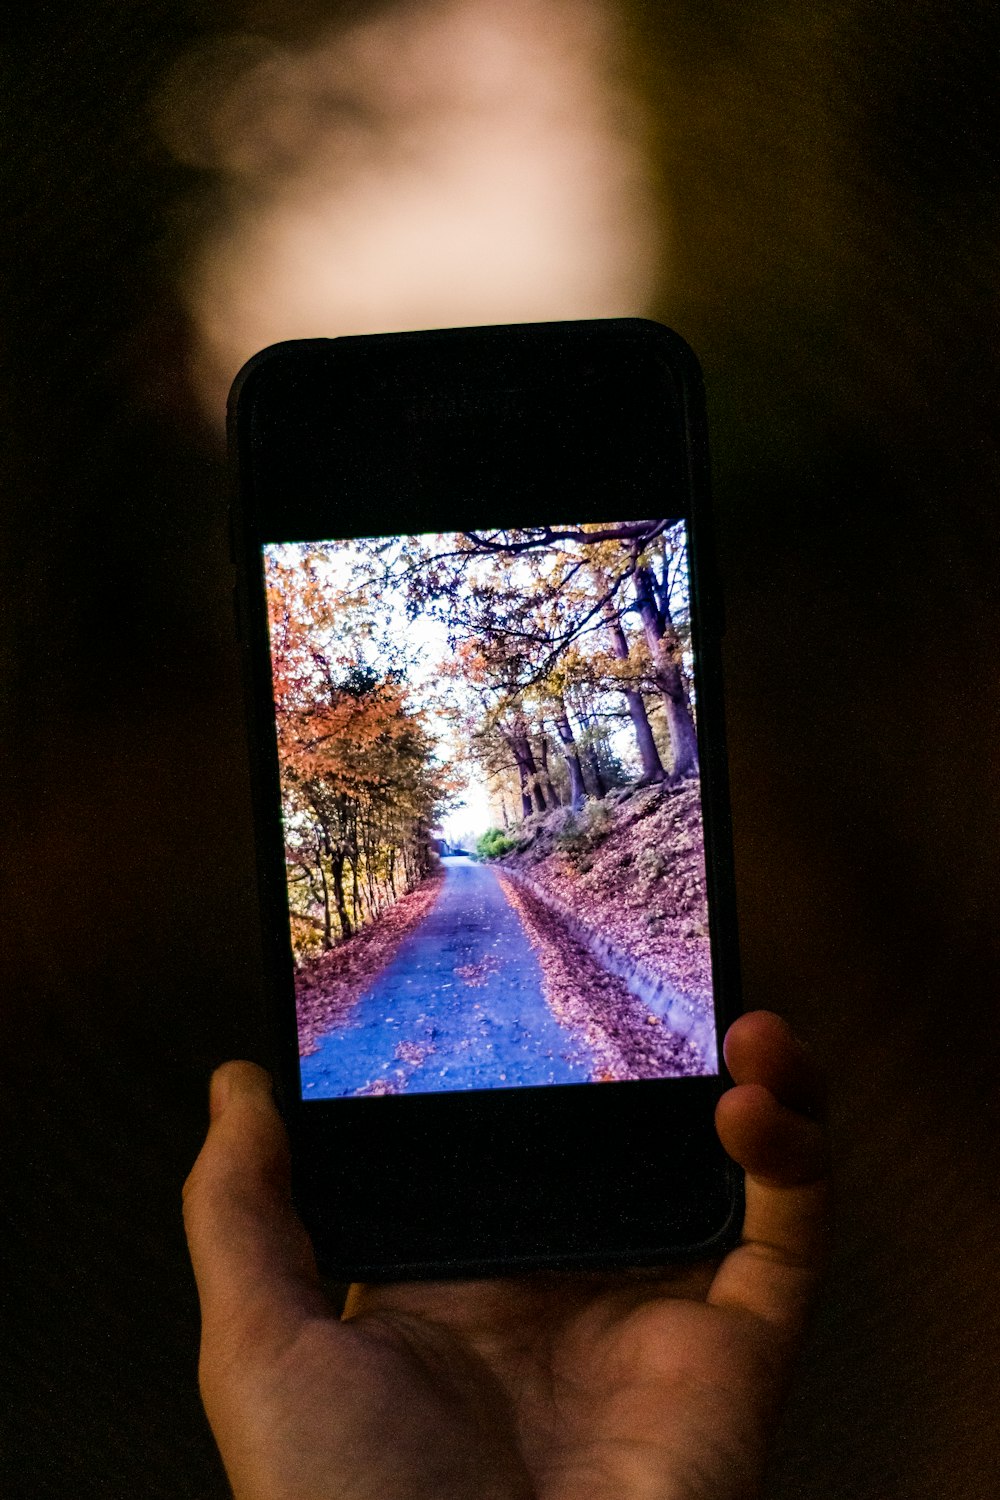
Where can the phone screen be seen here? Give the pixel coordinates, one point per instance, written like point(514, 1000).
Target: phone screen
point(491, 808)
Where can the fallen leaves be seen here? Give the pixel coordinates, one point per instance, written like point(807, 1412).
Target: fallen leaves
point(627, 1042)
point(413, 1053)
point(477, 975)
point(644, 888)
point(328, 987)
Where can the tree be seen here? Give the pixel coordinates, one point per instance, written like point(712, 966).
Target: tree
point(664, 647)
point(560, 609)
point(538, 611)
point(577, 787)
point(359, 786)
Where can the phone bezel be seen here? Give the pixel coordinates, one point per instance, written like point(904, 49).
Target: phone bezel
point(492, 1181)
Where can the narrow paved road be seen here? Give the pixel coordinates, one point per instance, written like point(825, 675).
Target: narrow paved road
point(461, 1006)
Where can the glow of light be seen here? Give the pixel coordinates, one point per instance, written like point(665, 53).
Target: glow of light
point(442, 164)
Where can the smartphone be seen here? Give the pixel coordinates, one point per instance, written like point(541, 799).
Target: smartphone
point(481, 626)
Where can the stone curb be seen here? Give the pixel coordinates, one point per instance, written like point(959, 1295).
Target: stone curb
point(681, 1015)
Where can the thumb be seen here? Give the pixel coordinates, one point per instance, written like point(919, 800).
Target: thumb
point(252, 1259)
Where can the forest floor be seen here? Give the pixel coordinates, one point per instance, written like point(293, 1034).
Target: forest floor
point(328, 987)
point(632, 868)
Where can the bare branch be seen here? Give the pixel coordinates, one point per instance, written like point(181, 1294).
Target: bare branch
point(644, 531)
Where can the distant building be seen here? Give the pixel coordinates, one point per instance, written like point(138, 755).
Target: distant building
point(443, 847)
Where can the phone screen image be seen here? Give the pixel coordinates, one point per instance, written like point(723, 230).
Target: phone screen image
point(491, 808)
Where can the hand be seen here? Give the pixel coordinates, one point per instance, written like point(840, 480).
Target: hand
point(631, 1386)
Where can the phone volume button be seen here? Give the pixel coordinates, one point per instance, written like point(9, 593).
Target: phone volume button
point(236, 614)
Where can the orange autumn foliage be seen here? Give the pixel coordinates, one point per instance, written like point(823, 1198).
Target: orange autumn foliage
point(360, 790)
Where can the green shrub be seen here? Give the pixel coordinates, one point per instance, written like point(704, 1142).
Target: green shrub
point(494, 843)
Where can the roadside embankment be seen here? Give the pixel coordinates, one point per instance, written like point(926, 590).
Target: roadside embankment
point(626, 875)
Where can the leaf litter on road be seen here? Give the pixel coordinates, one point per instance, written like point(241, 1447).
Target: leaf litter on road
point(625, 1038)
point(328, 987)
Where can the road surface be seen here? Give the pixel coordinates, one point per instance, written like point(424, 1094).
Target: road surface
point(461, 1006)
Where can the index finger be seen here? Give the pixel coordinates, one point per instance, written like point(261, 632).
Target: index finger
point(763, 1124)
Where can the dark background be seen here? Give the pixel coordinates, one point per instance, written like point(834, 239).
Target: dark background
point(831, 179)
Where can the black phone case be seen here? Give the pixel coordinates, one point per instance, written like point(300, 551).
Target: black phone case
point(450, 1137)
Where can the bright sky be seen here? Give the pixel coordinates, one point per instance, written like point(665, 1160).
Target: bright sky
point(426, 644)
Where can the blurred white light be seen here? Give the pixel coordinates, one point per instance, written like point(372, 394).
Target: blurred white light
point(441, 165)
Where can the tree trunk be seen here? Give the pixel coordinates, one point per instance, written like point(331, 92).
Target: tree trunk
point(370, 876)
point(521, 749)
point(665, 650)
point(577, 790)
point(526, 808)
point(593, 761)
point(327, 914)
point(587, 721)
point(337, 871)
point(548, 790)
point(652, 765)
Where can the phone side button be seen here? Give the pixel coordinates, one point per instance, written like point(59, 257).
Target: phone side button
point(236, 614)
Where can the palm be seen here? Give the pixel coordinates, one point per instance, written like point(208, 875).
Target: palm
point(571, 1387)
